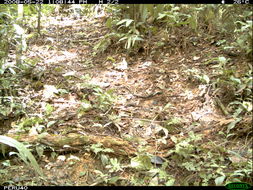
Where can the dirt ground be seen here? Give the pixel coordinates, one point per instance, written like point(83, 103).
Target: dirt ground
point(150, 88)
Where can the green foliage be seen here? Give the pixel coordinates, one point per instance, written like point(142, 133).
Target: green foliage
point(196, 76)
point(235, 22)
point(7, 33)
point(27, 123)
point(114, 165)
point(30, 10)
point(147, 174)
point(185, 148)
point(234, 90)
point(23, 154)
point(88, 9)
point(98, 148)
point(130, 25)
point(141, 162)
point(173, 124)
point(105, 178)
point(240, 86)
point(12, 37)
point(244, 37)
point(104, 98)
point(10, 103)
point(132, 35)
point(104, 43)
point(49, 109)
point(134, 21)
point(11, 106)
point(173, 17)
point(85, 106)
point(207, 161)
point(47, 9)
point(132, 28)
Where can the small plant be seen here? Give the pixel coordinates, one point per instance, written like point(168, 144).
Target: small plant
point(174, 18)
point(185, 148)
point(98, 148)
point(244, 33)
point(100, 99)
point(129, 34)
point(234, 91)
point(28, 123)
point(173, 124)
point(196, 76)
point(208, 162)
point(220, 66)
point(114, 165)
point(105, 178)
point(49, 109)
point(132, 35)
point(85, 106)
point(141, 162)
point(23, 153)
point(104, 98)
point(103, 44)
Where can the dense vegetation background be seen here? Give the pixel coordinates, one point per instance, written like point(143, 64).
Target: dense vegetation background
point(125, 94)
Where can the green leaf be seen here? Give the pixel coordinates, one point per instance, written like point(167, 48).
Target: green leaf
point(128, 22)
point(167, 106)
point(219, 180)
point(142, 162)
point(161, 15)
point(150, 8)
point(104, 159)
point(247, 106)
point(82, 174)
point(121, 22)
point(96, 148)
point(3, 149)
point(144, 14)
point(40, 150)
point(137, 38)
point(129, 42)
point(2, 71)
point(159, 8)
point(222, 60)
point(233, 124)
point(50, 123)
point(154, 181)
point(24, 153)
point(109, 22)
point(123, 38)
point(206, 79)
point(86, 105)
point(236, 80)
point(170, 182)
point(12, 71)
point(113, 180)
point(49, 109)
point(6, 163)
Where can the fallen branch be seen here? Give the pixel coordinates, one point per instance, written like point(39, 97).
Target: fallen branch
point(77, 141)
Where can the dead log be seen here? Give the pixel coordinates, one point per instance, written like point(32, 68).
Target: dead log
point(76, 142)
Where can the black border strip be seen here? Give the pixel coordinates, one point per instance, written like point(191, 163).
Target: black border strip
point(127, 2)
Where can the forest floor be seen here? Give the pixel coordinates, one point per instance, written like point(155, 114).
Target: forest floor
point(140, 102)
